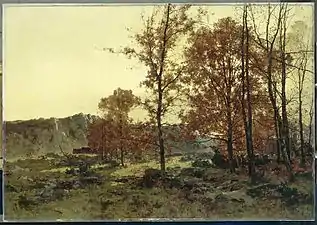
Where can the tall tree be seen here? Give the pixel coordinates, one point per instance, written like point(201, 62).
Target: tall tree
point(155, 46)
point(274, 47)
point(267, 44)
point(214, 80)
point(301, 54)
point(246, 96)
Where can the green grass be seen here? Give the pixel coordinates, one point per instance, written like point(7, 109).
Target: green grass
point(116, 200)
point(138, 169)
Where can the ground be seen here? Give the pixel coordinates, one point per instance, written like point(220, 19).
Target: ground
point(45, 189)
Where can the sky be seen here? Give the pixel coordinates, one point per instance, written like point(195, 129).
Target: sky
point(54, 65)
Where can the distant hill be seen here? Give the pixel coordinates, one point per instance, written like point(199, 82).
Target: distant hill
point(40, 136)
point(27, 138)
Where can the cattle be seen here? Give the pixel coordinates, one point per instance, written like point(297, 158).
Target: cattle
point(84, 150)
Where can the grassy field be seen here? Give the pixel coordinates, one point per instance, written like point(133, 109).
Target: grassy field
point(36, 190)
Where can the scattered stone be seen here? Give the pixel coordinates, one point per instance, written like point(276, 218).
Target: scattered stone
point(10, 188)
point(90, 180)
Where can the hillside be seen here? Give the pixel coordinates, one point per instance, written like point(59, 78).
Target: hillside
point(41, 136)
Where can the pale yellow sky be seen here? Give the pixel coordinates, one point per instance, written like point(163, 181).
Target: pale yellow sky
point(53, 63)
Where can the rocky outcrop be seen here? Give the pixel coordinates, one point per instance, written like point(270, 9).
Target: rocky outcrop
point(42, 136)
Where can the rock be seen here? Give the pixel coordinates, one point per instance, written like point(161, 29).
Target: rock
point(200, 190)
point(59, 194)
point(71, 171)
point(239, 196)
point(10, 188)
point(113, 164)
point(263, 190)
point(39, 184)
point(152, 177)
point(186, 158)
point(191, 183)
point(65, 184)
point(46, 194)
point(77, 184)
point(125, 179)
point(26, 202)
point(204, 163)
point(90, 180)
point(193, 172)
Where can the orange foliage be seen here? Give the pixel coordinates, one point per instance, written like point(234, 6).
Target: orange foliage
point(214, 81)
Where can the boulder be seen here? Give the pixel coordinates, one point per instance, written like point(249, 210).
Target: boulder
point(151, 176)
point(239, 196)
point(204, 163)
point(192, 172)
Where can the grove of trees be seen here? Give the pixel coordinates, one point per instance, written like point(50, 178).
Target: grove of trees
point(231, 77)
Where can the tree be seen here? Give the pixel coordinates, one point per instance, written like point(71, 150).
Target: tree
point(246, 96)
point(300, 53)
point(278, 62)
point(154, 47)
point(115, 109)
point(100, 137)
point(267, 44)
point(214, 84)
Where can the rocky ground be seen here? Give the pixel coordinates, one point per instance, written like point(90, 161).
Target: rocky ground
point(53, 187)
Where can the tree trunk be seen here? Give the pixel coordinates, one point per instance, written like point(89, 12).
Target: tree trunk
point(103, 143)
point(247, 117)
point(160, 92)
point(230, 139)
point(278, 138)
point(277, 118)
point(122, 156)
point(159, 127)
point(301, 132)
point(285, 125)
point(311, 122)
point(249, 101)
point(283, 83)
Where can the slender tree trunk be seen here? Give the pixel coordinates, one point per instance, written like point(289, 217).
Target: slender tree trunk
point(249, 100)
point(278, 137)
point(160, 91)
point(284, 98)
point(230, 135)
point(301, 80)
point(159, 127)
point(121, 136)
point(246, 93)
point(230, 147)
point(285, 124)
point(277, 118)
point(311, 123)
point(272, 93)
point(301, 132)
point(103, 142)
point(122, 156)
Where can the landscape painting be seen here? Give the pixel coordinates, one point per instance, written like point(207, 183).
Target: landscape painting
point(168, 111)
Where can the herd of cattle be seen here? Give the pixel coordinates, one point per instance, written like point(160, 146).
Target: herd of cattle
point(240, 160)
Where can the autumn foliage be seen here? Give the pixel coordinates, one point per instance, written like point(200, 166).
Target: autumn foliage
point(229, 80)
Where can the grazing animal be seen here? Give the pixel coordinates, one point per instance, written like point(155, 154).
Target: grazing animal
point(84, 150)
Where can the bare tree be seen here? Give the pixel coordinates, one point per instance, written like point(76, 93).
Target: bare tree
point(246, 97)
